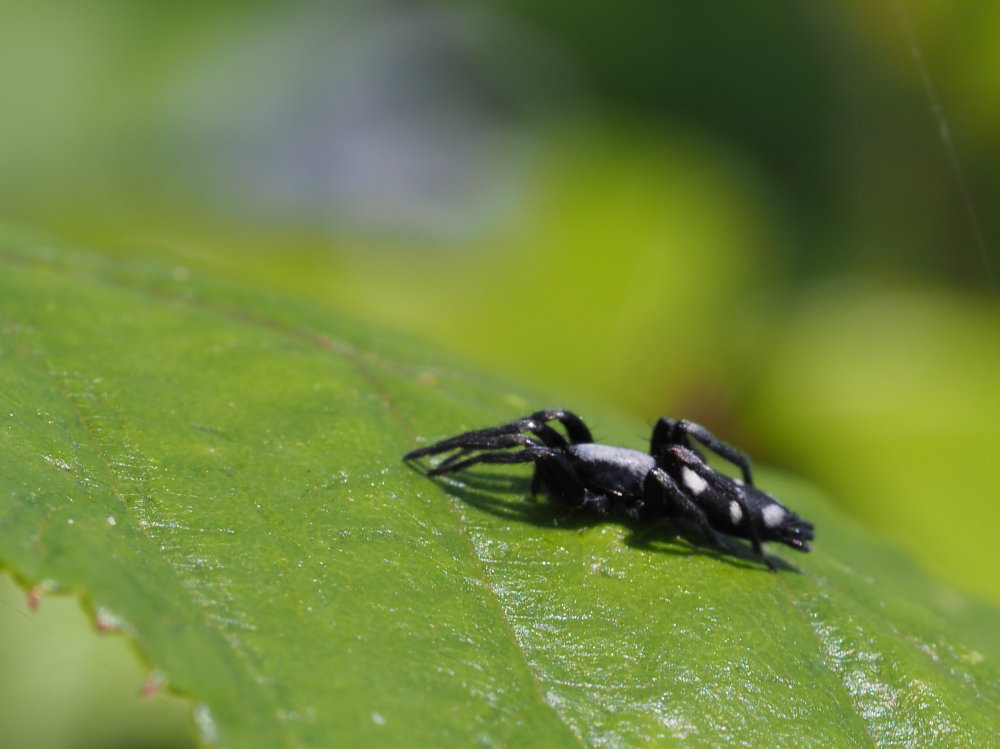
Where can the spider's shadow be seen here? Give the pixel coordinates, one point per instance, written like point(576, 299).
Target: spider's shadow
point(481, 490)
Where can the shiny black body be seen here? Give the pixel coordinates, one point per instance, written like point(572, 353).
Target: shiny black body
point(671, 481)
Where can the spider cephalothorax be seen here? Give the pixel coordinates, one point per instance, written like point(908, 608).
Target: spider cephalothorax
point(671, 481)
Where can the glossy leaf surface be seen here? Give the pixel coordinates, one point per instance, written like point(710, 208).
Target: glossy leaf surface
point(217, 471)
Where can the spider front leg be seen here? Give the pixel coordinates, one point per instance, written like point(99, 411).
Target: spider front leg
point(556, 473)
point(531, 452)
point(669, 432)
point(472, 442)
point(576, 430)
point(492, 437)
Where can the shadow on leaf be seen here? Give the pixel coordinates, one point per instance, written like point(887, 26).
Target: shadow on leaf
point(676, 538)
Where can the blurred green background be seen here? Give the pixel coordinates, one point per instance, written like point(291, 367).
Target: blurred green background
point(746, 215)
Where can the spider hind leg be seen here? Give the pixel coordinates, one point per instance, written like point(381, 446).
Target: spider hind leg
point(670, 432)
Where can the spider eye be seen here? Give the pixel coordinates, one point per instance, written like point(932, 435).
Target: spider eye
point(796, 532)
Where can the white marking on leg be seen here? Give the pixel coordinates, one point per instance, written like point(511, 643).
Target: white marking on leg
point(735, 512)
point(773, 515)
point(693, 481)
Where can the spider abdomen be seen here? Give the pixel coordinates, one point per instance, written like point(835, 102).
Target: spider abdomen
point(616, 470)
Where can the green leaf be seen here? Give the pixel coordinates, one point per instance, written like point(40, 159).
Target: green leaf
point(217, 472)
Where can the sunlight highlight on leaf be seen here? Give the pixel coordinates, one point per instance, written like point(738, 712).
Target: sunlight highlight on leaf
point(219, 471)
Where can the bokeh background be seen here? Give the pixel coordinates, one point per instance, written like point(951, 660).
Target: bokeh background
point(778, 219)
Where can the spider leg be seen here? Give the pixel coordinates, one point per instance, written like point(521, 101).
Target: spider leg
point(497, 442)
point(487, 438)
point(573, 424)
point(555, 472)
point(669, 432)
point(592, 502)
point(536, 424)
point(731, 491)
point(531, 452)
point(661, 491)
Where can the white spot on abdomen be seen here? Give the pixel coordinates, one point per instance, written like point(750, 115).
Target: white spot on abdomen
point(735, 513)
point(693, 481)
point(773, 515)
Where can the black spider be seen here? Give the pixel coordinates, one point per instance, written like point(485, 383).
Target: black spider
point(673, 481)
